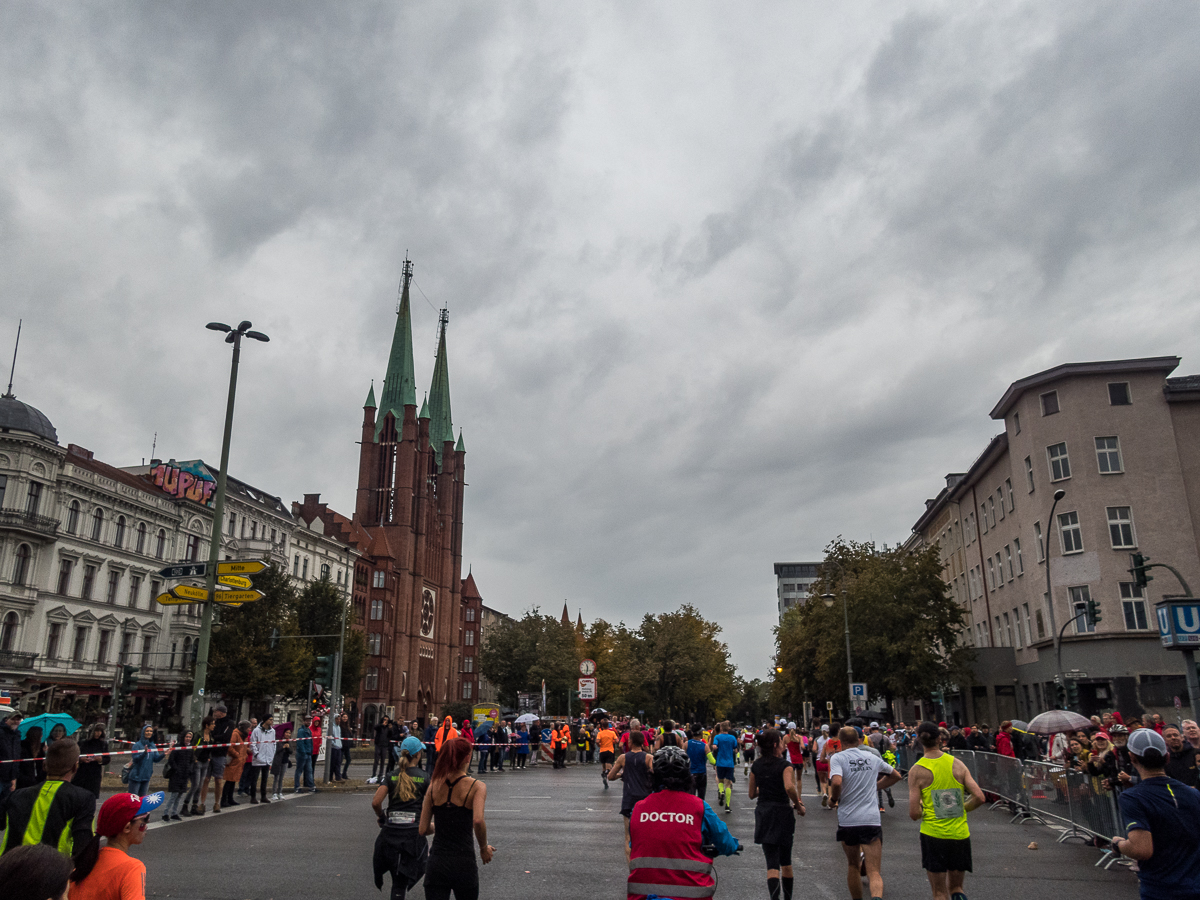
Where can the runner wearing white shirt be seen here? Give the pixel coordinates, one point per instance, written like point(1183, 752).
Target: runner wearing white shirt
point(855, 774)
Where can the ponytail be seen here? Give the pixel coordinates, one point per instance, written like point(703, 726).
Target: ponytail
point(86, 859)
point(406, 788)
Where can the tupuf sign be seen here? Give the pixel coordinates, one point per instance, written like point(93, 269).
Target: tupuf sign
point(189, 481)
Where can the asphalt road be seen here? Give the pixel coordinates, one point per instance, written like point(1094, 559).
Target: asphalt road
point(553, 828)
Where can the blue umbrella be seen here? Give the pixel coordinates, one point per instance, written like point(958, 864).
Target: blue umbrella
point(483, 729)
point(47, 721)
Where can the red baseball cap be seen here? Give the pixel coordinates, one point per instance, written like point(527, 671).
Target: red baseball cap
point(121, 809)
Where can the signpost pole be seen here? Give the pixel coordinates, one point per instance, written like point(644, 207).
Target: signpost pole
point(214, 548)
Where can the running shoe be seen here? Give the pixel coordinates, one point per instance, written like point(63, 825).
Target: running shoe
point(825, 800)
point(892, 802)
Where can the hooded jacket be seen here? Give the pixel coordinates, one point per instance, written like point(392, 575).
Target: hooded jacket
point(145, 755)
point(446, 733)
point(262, 745)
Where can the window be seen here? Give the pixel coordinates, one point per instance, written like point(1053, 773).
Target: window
point(1118, 393)
point(273, 532)
point(174, 651)
point(983, 516)
point(380, 580)
point(1108, 455)
point(155, 590)
point(1020, 640)
point(304, 569)
point(1008, 558)
point(1029, 473)
point(1049, 403)
point(119, 538)
point(991, 573)
point(64, 576)
point(141, 538)
point(999, 570)
point(376, 609)
point(81, 636)
point(1133, 604)
point(469, 638)
point(992, 510)
point(467, 690)
point(1000, 497)
point(1039, 618)
point(114, 582)
point(160, 544)
point(126, 648)
point(72, 515)
point(1060, 465)
point(3, 488)
point(135, 586)
point(1070, 533)
point(375, 644)
point(1017, 423)
point(371, 679)
point(324, 571)
point(1000, 633)
point(89, 582)
point(1038, 542)
point(1028, 622)
point(33, 500)
point(147, 644)
point(254, 531)
point(187, 652)
point(8, 632)
point(53, 639)
point(1012, 506)
point(1079, 604)
point(468, 664)
point(1120, 528)
point(193, 548)
point(232, 525)
point(21, 564)
point(470, 614)
point(97, 524)
point(296, 566)
point(1020, 558)
point(102, 649)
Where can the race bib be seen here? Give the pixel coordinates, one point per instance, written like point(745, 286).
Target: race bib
point(947, 803)
point(401, 817)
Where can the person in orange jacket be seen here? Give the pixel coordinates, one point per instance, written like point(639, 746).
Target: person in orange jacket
point(560, 739)
point(446, 733)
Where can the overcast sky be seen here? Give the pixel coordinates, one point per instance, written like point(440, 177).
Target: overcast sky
point(725, 281)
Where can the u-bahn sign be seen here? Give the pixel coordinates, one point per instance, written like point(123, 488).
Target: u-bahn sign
point(1179, 623)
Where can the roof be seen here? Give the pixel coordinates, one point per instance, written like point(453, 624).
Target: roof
point(469, 589)
point(1164, 364)
point(957, 485)
point(83, 459)
point(441, 428)
point(18, 416)
point(400, 385)
point(1186, 387)
point(370, 404)
point(797, 569)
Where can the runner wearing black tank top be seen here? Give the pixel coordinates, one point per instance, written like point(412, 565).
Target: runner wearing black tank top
point(635, 770)
point(454, 806)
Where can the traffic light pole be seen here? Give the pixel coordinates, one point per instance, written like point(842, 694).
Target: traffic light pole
point(214, 548)
point(1058, 677)
point(1189, 655)
point(336, 706)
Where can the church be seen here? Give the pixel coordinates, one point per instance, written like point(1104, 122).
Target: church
point(420, 617)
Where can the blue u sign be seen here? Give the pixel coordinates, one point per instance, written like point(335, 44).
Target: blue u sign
point(1179, 623)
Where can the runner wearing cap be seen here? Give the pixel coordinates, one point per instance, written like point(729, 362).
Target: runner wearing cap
point(1162, 819)
point(55, 812)
point(111, 873)
point(938, 784)
point(400, 850)
point(854, 776)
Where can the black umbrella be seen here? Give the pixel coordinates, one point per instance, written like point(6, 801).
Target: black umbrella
point(598, 712)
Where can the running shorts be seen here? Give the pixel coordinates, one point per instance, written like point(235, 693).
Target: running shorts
point(821, 766)
point(216, 766)
point(945, 854)
point(725, 772)
point(860, 835)
point(607, 756)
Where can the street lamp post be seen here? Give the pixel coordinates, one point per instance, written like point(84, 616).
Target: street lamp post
point(828, 600)
point(1058, 495)
point(233, 336)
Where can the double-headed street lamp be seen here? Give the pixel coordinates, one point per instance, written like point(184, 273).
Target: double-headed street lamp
point(234, 336)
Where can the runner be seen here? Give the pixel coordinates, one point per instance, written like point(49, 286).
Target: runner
point(831, 746)
point(936, 785)
point(606, 740)
point(697, 751)
point(725, 746)
point(854, 776)
point(793, 741)
point(635, 769)
point(773, 783)
point(400, 850)
point(748, 745)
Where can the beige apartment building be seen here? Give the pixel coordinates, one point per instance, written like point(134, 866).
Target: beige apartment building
point(1121, 439)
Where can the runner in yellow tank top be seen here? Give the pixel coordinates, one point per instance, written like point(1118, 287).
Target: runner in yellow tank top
point(941, 792)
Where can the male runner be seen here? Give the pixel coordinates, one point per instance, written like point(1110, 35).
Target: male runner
point(936, 785)
point(606, 740)
point(636, 769)
point(748, 747)
point(854, 776)
point(725, 746)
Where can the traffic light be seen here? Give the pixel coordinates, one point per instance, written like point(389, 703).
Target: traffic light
point(1060, 695)
point(1093, 612)
point(1138, 571)
point(1072, 694)
point(129, 680)
point(324, 672)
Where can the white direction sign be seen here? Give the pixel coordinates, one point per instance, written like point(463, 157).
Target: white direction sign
point(587, 688)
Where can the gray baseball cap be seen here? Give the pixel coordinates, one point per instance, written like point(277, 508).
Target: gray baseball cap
point(1146, 739)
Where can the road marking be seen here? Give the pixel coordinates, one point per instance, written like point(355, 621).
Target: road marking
point(320, 807)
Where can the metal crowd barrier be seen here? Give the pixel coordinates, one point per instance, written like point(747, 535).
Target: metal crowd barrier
point(1077, 803)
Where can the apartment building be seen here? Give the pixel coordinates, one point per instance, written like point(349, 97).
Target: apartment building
point(792, 583)
point(1120, 440)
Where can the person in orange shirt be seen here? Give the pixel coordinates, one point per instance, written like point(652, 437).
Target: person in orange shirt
point(606, 740)
point(111, 873)
point(446, 733)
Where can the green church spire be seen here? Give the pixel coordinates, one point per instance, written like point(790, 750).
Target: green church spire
point(370, 404)
point(461, 448)
point(440, 427)
point(424, 413)
point(400, 385)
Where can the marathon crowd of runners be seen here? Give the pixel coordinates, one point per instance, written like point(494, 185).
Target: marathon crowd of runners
point(424, 785)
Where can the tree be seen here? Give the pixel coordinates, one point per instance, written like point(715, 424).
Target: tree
point(753, 701)
point(905, 629)
point(686, 669)
point(519, 654)
point(319, 610)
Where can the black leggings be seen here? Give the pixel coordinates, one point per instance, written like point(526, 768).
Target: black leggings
point(701, 784)
point(451, 873)
point(778, 855)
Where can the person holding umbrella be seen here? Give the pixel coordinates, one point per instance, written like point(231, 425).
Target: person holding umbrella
point(95, 757)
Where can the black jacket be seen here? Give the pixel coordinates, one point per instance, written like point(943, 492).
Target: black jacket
point(1182, 766)
point(182, 760)
point(981, 742)
point(31, 773)
point(90, 773)
point(10, 749)
point(72, 809)
point(222, 733)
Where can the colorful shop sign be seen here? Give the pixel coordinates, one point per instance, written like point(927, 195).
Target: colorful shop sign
point(187, 481)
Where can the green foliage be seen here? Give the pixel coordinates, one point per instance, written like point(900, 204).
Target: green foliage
point(458, 711)
point(672, 665)
point(319, 610)
point(904, 630)
point(753, 703)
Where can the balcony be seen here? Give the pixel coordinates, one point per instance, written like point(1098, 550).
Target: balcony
point(28, 523)
point(16, 660)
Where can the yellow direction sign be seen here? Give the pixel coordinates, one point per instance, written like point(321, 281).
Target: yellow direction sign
point(235, 581)
point(171, 600)
point(231, 598)
point(191, 593)
point(243, 567)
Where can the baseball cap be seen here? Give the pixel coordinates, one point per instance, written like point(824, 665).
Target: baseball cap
point(412, 746)
point(791, 724)
point(1146, 739)
point(824, 727)
point(874, 725)
point(121, 809)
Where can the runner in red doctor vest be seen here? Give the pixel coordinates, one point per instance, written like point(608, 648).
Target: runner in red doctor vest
point(667, 832)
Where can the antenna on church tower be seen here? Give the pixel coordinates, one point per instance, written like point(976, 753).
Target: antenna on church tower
point(9, 394)
point(405, 278)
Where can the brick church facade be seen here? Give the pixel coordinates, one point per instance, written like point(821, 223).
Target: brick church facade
point(419, 615)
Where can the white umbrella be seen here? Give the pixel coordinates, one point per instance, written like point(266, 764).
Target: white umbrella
point(526, 718)
point(1057, 721)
